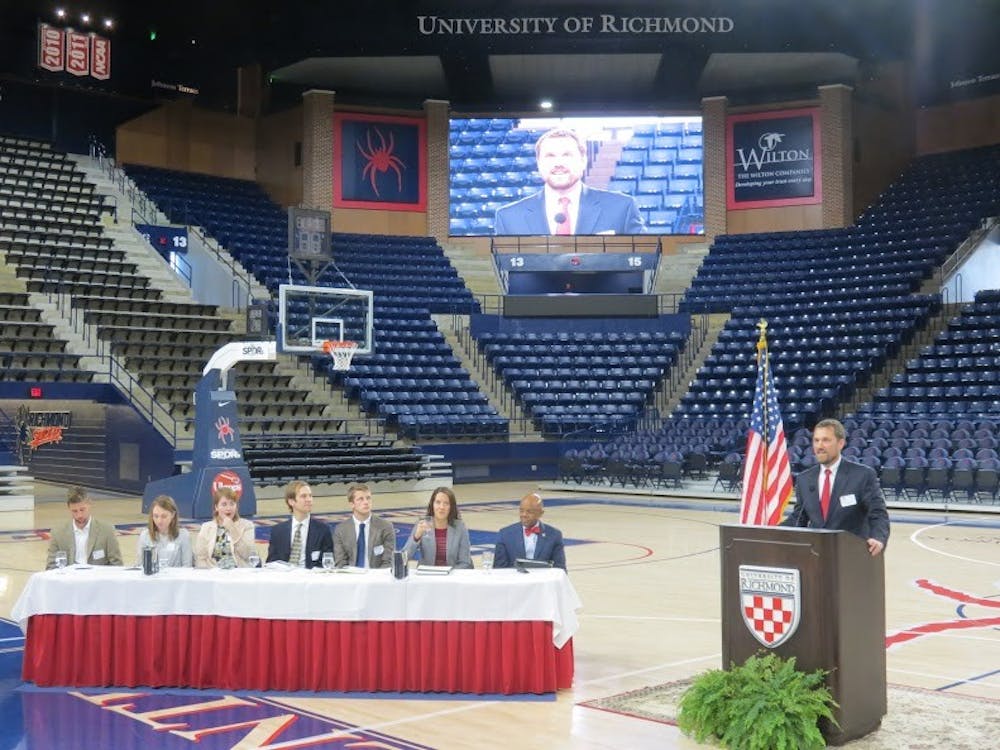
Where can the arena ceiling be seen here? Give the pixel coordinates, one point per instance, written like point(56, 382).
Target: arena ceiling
point(496, 55)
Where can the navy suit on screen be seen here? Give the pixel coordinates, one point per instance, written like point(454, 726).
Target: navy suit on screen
point(601, 212)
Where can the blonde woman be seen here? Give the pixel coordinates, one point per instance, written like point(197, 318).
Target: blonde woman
point(227, 537)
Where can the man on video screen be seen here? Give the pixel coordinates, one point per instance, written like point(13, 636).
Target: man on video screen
point(565, 205)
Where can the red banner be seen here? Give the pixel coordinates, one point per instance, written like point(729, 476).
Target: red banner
point(77, 53)
point(100, 57)
point(51, 48)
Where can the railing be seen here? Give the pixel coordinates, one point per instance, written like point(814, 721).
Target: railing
point(139, 396)
point(577, 243)
point(968, 246)
point(144, 211)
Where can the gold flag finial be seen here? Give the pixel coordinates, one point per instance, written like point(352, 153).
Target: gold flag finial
point(762, 341)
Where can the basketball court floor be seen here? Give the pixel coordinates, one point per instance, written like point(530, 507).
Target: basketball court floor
point(647, 572)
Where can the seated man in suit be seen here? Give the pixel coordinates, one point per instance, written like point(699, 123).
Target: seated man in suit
point(363, 540)
point(84, 539)
point(300, 540)
point(840, 494)
point(565, 205)
point(529, 538)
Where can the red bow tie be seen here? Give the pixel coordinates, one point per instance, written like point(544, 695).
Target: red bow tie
point(533, 530)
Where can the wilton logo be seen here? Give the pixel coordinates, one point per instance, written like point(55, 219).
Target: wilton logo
point(767, 153)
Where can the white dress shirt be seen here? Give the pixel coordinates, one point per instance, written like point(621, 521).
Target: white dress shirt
point(81, 537)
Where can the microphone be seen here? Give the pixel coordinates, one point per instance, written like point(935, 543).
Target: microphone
point(561, 218)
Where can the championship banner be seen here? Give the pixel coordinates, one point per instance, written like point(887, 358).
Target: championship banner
point(100, 57)
point(773, 159)
point(379, 162)
point(77, 53)
point(51, 48)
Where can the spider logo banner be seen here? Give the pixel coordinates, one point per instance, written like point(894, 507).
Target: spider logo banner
point(770, 602)
point(379, 162)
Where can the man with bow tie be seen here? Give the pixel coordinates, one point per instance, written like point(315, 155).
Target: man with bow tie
point(530, 538)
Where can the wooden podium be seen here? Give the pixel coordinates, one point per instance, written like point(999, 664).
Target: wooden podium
point(839, 620)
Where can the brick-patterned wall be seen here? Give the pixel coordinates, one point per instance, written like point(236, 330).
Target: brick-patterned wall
point(713, 112)
point(438, 177)
point(836, 138)
point(317, 149)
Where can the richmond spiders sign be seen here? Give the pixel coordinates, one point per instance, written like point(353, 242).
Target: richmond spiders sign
point(379, 162)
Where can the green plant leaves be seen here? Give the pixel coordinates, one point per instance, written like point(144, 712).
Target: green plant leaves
point(765, 704)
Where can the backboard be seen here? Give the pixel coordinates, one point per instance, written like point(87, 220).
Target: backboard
point(310, 315)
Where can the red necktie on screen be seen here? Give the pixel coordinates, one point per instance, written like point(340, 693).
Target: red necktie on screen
point(824, 498)
point(563, 226)
point(533, 530)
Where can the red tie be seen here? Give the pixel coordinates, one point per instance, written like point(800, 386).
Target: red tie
point(533, 530)
point(563, 226)
point(824, 499)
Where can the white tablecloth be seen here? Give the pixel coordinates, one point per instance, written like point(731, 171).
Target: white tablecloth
point(297, 594)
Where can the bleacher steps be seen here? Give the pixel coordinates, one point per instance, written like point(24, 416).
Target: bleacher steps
point(673, 389)
point(498, 394)
point(677, 271)
point(17, 489)
point(476, 270)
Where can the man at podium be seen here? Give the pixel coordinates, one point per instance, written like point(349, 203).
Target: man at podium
point(838, 494)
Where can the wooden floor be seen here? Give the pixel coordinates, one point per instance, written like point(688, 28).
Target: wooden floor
point(647, 571)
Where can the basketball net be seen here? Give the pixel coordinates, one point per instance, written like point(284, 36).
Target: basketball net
point(341, 352)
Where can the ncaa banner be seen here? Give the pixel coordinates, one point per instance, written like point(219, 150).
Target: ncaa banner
point(100, 57)
point(51, 48)
point(773, 159)
point(379, 162)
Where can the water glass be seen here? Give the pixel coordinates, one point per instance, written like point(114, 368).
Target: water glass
point(254, 559)
point(61, 559)
point(328, 561)
point(488, 561)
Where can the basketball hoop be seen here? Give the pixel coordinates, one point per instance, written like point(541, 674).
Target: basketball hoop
point(341, 352)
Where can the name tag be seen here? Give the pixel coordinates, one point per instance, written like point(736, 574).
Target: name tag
point(171, 546)
point(378, 550)
point(98, 554)
point(848, 500)
point(314, 555)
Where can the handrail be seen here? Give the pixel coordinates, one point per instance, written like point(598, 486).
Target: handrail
point(968, 246)
point(146, 211)
point(577, 243)
point(138, 395)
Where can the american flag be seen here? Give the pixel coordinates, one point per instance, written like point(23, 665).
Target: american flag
point(767, 475)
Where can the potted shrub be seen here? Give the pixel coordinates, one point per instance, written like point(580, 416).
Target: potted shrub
point(765, 704)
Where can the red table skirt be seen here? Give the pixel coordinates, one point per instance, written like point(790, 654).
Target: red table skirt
point(248, 654)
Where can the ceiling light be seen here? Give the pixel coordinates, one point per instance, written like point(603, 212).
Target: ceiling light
point(545, 104)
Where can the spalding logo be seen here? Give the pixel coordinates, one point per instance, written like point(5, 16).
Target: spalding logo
point(222, 453)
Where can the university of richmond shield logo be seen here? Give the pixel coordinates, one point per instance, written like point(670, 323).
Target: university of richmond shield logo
point(770, 602)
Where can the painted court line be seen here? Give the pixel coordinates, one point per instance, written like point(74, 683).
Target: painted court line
point(633, 673)
point(914, 538)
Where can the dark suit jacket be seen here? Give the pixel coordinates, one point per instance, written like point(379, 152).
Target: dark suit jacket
point(381, 536)
point(510, 546)
point(318, 540)
point(601, 212)
point(866, 516)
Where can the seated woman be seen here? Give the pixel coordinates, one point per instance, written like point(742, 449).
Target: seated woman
point(172, 543)
point(442, 536)
point(227, 540)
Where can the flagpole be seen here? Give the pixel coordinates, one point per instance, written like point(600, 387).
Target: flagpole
point(765, 434)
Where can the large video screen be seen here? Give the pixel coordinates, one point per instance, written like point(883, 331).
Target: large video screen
point(576, 175)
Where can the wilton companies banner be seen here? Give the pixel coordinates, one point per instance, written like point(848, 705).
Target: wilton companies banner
point(773, 159)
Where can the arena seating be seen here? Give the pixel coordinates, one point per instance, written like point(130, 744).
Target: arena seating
point(570, 382)
point(410, 276)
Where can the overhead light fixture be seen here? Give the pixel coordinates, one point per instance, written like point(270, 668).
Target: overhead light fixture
point(85, 18)
point(545, 104)
point(60, 13)
point(109, 23)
